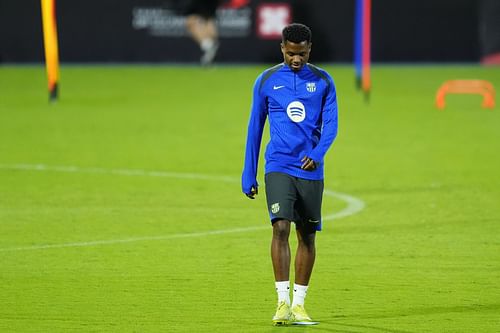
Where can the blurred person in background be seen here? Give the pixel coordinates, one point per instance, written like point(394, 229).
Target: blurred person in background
point(202, 27)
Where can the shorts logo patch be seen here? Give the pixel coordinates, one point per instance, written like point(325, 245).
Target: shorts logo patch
point(275, 207)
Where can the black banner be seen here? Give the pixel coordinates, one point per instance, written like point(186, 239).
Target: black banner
point(490, 27)
point(153, 31)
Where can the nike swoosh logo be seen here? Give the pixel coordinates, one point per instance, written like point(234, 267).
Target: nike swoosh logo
point(313, 221)
point(278, 87)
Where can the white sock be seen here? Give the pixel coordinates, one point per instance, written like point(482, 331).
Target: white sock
point(207, 44)
point(283, 290)
point(299, 294)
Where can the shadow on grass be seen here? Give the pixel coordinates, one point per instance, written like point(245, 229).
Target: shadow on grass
point(435, 310)
point(334, 327)
point(358, 328)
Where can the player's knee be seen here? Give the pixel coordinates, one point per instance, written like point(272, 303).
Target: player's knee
point(281, 229)
point(310, 245)
point(307, 239)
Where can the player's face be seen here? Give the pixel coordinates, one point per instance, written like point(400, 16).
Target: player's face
point(296, 55)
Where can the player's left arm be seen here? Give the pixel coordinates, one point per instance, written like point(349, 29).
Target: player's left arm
point(329, 129)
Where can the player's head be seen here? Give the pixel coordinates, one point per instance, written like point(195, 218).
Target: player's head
point(296, 45)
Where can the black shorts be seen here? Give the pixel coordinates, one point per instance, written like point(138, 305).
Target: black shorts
point(294, 199)
point(204, 8)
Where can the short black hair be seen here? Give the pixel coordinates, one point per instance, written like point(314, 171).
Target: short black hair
point(296, 33)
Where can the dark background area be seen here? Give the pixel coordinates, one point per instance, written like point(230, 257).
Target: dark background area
point(402, 31)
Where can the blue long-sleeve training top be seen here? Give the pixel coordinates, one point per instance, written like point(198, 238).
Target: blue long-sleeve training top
point(303, 121)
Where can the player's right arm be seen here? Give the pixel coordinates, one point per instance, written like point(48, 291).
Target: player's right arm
point(330, 124)
point(256, 123)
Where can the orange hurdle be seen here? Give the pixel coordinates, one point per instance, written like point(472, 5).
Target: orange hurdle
point(480, 87)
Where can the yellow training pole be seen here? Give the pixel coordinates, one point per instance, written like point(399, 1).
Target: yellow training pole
point(51, 48)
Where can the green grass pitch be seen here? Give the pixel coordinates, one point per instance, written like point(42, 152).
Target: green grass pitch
point(121, 210)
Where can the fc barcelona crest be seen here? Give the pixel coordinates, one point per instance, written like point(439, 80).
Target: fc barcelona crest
point(311, 86)
point(275, 207)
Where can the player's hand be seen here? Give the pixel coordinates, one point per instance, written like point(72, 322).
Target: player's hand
point(253, 192)
point(308, 164)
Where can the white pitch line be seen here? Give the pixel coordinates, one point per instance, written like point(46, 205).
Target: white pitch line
point(133, 240)
point(354, 205)
point(122, 172)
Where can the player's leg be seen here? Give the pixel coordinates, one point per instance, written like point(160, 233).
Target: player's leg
point(304, 263)
point(280, 256)
point(280, 195)
point(210, 42)
point(310, 194)
point(309, 208)
point(209, 24)
point(280, 250)
point(196, 27)
point(201, 26)
point(306, 253)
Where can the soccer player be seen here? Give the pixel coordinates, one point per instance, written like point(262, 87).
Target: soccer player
point(300, 101)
